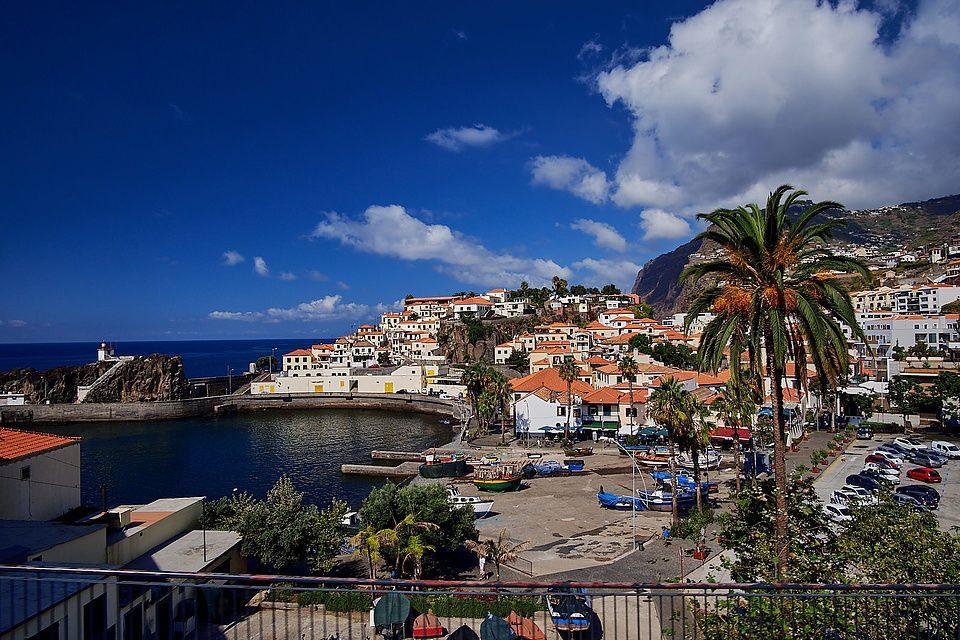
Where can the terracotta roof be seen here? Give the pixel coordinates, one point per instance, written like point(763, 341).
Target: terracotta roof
point(705, 379)
point(475, 300)
point(596, 324)
point(16, 444)
point(549, 379)
point(616, 395)
point(597, 360)
point(497, 290)
point(679, 376)
point(299, 352)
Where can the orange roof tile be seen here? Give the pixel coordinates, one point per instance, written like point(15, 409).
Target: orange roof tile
point(548, 379)
point(475, 300)
point(299, 352)
point(16, 444)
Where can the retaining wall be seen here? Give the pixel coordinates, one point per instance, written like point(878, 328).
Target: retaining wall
point(194, 407)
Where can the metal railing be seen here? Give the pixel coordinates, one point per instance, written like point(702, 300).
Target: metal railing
point(45, 603)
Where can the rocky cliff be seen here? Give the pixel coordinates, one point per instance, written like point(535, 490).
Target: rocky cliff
point(143, 379)
point(469, 342)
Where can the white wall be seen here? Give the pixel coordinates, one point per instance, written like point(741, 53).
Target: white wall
point(52, 490)
point(533, 414)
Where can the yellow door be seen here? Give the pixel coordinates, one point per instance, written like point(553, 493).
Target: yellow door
point(318, 388)
point(388, 387)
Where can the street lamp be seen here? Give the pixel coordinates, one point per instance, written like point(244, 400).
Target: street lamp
point(633, 477)
point(273, 356)
point(229, 381)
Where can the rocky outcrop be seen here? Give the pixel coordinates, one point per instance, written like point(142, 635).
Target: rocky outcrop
point(461, 342)
point(143, 379)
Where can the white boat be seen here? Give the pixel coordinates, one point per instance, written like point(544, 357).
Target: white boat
point(481, 506)
point(708, 460)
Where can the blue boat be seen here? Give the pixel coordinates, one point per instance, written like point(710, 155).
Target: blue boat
point(660, 500)
point(623, 503)
point(574, 465)
point(684, 481)
point(570, 609)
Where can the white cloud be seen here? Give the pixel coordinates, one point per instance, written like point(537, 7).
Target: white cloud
point(13, 323)
point(328, 308)
point(603, 271)
point(391, 231)
point(575, 175)
point(232, 258)
point(749, 94)
point(589, 48)
point(286, 275)
point(317, 276)
point(458, 138)
point(659, 224)
point(260, 266)
point(604, 235)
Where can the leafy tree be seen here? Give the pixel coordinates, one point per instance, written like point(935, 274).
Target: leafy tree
point(476, 330)
point(735, 407)
point(679, 356)
point(899, 353)
point(775, 275)
point(502, 394)
point(267, 362)
point(862, 403)
point(476, 378)
point(383, 359)
point(519, 360)
point(568, 371)
point(669, 406)
point(641, 342)
point(610, 290)
point(695, 437)
point(560, 286)
point(628, 369)
point(643, 310)
point(578, 290)
point(420, 510)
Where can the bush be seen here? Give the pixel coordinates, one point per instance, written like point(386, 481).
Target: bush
point(337, 600)
point(689, 528)
point(884, 427)
point(443, 605)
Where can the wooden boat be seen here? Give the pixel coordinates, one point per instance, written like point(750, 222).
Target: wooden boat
point(499, 479)
point(427, 625)
point(684, 481)
point(660, 500)
point(574, 465)
point(708, 460)
point(569, 609)
point(444, 467)
point(481, 506)
point(578, 451)
point(619, 502)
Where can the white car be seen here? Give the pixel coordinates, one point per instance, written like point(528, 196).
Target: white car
point(891, 474)
point(910, 444)
point(889, 456)
point(859, 494)
point(838, 512)
point(443, 395)
point(945, 448)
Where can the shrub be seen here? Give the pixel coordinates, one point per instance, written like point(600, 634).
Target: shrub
point(689, 528)
point(444, 605)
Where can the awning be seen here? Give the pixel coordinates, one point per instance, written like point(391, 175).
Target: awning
point(727, 433)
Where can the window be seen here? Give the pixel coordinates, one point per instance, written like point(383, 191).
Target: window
point(25, 472)
point(561, 411)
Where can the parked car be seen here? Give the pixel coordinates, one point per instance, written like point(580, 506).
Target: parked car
point(883, 462)
point(880, 476)
point(860, 480)
point(926, 495)
point(924, 474)
point(948, 449)
point(892, 474)
point(838, 512)
point(925, 460)
point(933, 453)
point(892, 457)
point(864, 496)
point(895, 449)
point(864, 433)
point(910, 444)
point(908, 500)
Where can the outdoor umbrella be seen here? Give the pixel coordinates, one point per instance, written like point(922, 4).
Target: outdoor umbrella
point(427, 625)
point(463, 633)
point(525, 628)
point(494, 628)
point(392, 608)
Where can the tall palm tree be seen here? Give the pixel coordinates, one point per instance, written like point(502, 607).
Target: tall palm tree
point(402, 532)
point(696, 437)
point(503, 395)
point(735, 407)
point(628, 369)
point(669, 407)
point(568, 372)
point(413, 551)
point(776, 277)
point(475, 378)
point(368, 543)
point(497, 550)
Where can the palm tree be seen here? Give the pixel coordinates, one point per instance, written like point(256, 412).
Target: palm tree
point(669, 406)
point(776, 277)
point(735, 408)
point(696, 438)
point(414, 550)
point(499, 551)
point(502, 393)
point(369, 542)
point(628, 369)
point(568, 372)
point(401, 535)
point(475, 378)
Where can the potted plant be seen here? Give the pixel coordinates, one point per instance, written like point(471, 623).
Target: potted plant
point(817, 458)
point(799, 471)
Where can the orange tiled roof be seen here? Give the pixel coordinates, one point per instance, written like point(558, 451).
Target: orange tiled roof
point(16, 444)
point(476, 300)
point(550, 380)
point(299, 352)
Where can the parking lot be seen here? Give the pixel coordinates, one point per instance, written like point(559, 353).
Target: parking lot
point(852, 462)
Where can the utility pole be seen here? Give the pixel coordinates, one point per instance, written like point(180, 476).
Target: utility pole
point(229, 381)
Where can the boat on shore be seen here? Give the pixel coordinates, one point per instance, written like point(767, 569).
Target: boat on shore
point(499, 479)
point(708, 460)
point(654, 457)
point(660, 500)
point(685, 482)
point(481, 506)
point(569, 609)
point(444, 467)
point(620, 502)
point(574, 452)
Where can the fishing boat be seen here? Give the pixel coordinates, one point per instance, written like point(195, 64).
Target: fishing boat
point(569, 609)
point(444, 467)
point(684, 481)
point(708, 460)
point(660, 500)
point(499, 479)
point(427, 625)
point(654, 457)
point(574, 465)
point(481, 506)
point(578, 451)
point(619, 502)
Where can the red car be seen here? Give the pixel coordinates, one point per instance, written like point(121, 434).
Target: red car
point(880, 460)
point(924, 474)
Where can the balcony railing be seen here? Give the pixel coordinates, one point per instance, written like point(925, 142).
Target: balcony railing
point(98, 604)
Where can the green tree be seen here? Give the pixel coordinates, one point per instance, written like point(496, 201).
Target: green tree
point(610, 290)
point(641, 342)
point(560, 286)
point(628, 368)
point(267, 362)
point(498, 550)
point(476, 378)
point(502, 394)
point(383, 359)
point(669, 407)
point(775, 275)
point(568, 371)
point(519, 360)
point(735, 407)
point(679, 356)
point(695, 438)
point(643, 310)
point(578, 290)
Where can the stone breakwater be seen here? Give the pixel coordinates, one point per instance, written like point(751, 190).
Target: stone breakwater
point(217, 405)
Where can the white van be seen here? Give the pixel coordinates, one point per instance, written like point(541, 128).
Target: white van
point(946, 448)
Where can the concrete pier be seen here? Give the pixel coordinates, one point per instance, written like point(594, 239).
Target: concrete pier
point(408, 456)
point(403, 470)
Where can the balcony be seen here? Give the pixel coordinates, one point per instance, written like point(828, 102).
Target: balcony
point(36, 601)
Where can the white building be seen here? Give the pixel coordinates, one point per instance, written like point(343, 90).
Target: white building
point(471, 307)
point(39, 475)
point(886, 332)
point(925, 299)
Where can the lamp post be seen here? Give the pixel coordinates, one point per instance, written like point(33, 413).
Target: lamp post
point(229, 381)
point(633, 498)
point(273, 356)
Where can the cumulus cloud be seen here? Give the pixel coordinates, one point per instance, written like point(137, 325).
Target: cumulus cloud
point(459, 138)
point(658, 224)
point(260, 266)
point(749, 94)
point(604, 235)
point(392, 231)
point(603, 271)
point(575, 175)
point(232, 258)
point(324, 309)
point(286, 275)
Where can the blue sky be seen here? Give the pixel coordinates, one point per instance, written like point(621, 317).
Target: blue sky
point(200, 171)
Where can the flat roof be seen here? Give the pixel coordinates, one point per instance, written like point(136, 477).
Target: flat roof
point(22, 538)
point(147, 514)
point(26, 593)
point(186, 553)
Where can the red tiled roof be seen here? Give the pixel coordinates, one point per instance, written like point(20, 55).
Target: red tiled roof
point(16, 444)
point(299, 352)
point(549, 379)
point(475, 300)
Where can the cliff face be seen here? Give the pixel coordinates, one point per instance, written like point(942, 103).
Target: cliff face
point(657, 281)
point(143, 379)
point(461, 343)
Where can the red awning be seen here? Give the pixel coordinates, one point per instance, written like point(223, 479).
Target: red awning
point(726, 433)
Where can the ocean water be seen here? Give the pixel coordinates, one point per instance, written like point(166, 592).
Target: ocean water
point(201, 358)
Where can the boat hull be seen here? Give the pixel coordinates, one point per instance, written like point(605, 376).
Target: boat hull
point(498, 485)
point(452, 469)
